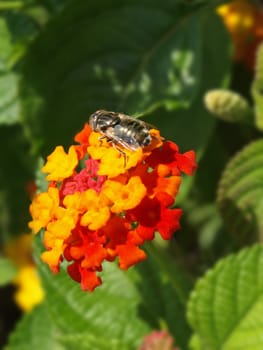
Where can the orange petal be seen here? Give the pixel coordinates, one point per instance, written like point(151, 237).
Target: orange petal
point(89, 280)
point(129, 255)
point(53, 256)
point(157, 141)
point(92, 206)
point(83, 136)
point(95, 218)
point(168, 185)
point(124, 197)
point(60, 165)
point(43, 208)
point(61, 228)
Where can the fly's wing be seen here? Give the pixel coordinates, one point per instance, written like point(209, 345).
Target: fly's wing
point(145, 124)
point(127, 142)
point(123, 140)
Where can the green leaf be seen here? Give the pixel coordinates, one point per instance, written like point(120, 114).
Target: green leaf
point(240, 193)
point(87, 341)
point(5, 44)
point(225, 308)
point(16, 173)
point(40, 178)
point(257, 88)
point(15, 34)
point(17, 29)
point(54, 6)
point(9, 100)
point(193, 127)
point(206, 219)
point(35, 331)
point(130, 56)
point(119, 313)
point(195, 343)
point(7, 271)
point(11, 4)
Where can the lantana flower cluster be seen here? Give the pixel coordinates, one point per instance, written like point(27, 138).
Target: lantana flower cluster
point(244, 21)
point(100, 205)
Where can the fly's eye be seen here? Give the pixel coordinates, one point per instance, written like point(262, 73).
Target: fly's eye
point(92, 121)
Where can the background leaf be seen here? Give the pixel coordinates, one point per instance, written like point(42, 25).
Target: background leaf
point(7, 271)
point(193, 127)
point(131, 57)
point(240, 193)
point(35, 330)
point(17, 29)
point(9, 99)
point(16, 179)
point(5, 44)
point(257, 89)
point(225, 309)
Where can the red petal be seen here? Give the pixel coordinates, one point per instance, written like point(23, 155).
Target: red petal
point(83, 136)
point(129, 255)
point(94, 256)
point(169, 222)
point(186, 162)
point(73, 271)
point(147, 233)
point(89, 280)
point(165, 199)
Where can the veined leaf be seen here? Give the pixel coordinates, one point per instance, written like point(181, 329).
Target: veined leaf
point(257, 88)
point(225, 309)
point(87, 341)
point(240, 193)
point(35, 331)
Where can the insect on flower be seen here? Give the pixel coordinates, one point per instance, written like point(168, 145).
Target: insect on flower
point(121, 129)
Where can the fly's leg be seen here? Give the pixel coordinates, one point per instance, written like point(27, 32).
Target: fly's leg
point(103, 137)
point(121, 152)
point(116, 147)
